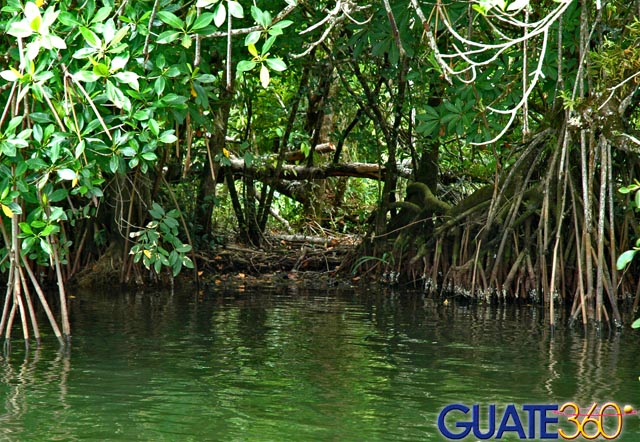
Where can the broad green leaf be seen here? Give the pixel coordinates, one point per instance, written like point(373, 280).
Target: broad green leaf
point(13, 124)
point(252, 38)
point(84, 53)
point(202, 21)
point(168, 137)
point(120, 34)
point(220, 15)
point(25, 227)
point(206, 78)
point(101, 15)
point(11, 74)
point(154, 127)
point(267, 45)
point(171, 19)
point(128, 151)
point(101, 70)
point(67, 174)
point(91, 38)
point(109, 31)
point(168, 37)
point(45, 246)
point(276, 64)
point(68, 19)
point(149, 156)
point(58, 195)
point(245, 65)
point(20, 29)
point(282, 24)
point(263, 18)
point(205, 3)
point(625, 259)
point(636, 323)
point(119, 62)
point(115, 95)
point(130, 78)
point(51, 228)
point(235, 9)
point(159, 85)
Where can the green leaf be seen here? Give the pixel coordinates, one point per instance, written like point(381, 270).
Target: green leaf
point(276, 64)
point(67, 174)
point(636, 323)
point(149, 156)
point(20, 29)
point(171, 19)
point(206, 78)
point(205, 3)
point(85, 76)
point(159, 85)
point(625, 259)
point(13, 124)
point(26, 228)
point(113, 164)
point(235, 9)
point(252, 38)
point(129, 78)
point(263, 18)
point(58, 195)
point(154, 127)
point(202, 21)
point(91, 38)
point(10, 75)
point(101, 15)
point(282, 24)
point(245, 65)
point(220, 15)
point(45, 247)
point(168, 37)
point(168, 137)
point(101, 70)
point(267, 45)
point(51, 228)
point(176, 267)
point(157, 211)
point(115, 95)
point(128, 151)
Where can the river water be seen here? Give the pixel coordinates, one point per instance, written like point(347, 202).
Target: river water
point(287, 364)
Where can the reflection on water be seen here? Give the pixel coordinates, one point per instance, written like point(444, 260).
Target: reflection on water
point(288, 364)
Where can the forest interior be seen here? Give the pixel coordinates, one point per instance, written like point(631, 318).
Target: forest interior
point(484, 149)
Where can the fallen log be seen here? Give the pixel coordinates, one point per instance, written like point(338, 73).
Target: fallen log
point(300, 172)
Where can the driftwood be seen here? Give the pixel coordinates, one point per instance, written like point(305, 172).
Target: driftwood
point(287, 253)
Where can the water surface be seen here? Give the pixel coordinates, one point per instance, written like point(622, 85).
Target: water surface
point(289, 364)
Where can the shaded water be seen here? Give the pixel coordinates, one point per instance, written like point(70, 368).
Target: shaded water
point(287, 364)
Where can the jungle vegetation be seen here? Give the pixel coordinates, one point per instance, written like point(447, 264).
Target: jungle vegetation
point(478, 147)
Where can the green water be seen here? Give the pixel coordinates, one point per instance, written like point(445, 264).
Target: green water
point(288, 364)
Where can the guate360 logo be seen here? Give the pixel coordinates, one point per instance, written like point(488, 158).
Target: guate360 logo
point(457, 421)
